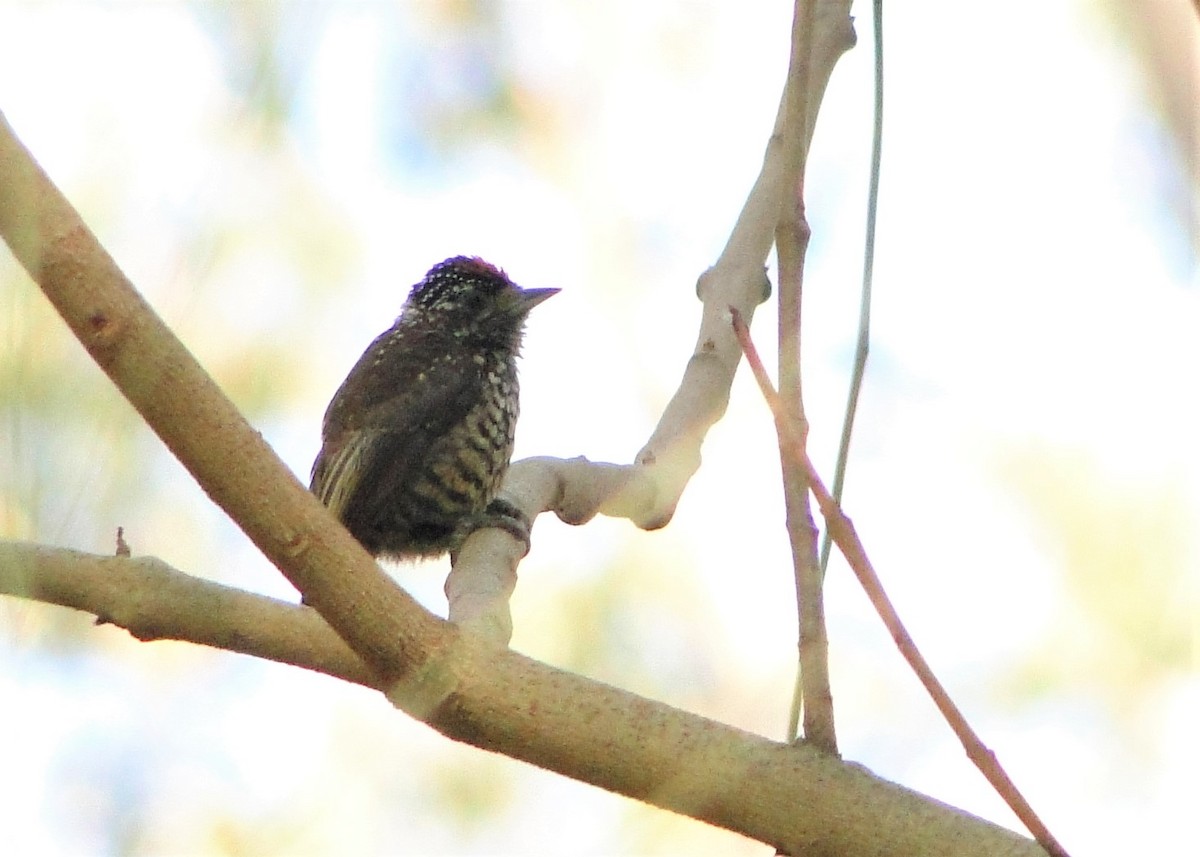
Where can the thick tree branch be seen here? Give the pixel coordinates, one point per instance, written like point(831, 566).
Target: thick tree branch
point(153, 601)
point(790, 796)
point(466, 688)
point(199, 424)
point(460, 683)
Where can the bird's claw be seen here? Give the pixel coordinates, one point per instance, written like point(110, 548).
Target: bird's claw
point(504, 515)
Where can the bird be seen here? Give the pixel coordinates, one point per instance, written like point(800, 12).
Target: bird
point(416, 440)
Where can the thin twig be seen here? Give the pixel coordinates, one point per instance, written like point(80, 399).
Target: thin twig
point(863, 346)
point(852, 548)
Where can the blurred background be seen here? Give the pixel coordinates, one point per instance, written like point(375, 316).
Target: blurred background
point(275, 176)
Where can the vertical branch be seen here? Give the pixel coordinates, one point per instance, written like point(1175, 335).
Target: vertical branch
point(844, 534)
point(807, 77)
point(815, 699)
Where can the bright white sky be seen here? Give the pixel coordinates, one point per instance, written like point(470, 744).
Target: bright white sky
point(1035, 323)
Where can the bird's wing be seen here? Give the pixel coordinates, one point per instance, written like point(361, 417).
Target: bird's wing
point(385, 422)
point(339, 465)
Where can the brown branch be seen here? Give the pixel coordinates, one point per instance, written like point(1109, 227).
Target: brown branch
point(790, 796)
point(199, 424)
point(459, 683)
point(845, 537)
point(153, 601)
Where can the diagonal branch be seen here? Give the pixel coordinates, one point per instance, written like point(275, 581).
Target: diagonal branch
point(199, 424)
point(790, 796)
point(460, 684)
point(845, 537)
point(647, 491)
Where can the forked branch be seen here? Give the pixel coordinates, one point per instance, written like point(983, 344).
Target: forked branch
point(844, 536)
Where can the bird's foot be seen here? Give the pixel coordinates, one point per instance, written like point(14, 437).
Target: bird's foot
point(504, 515)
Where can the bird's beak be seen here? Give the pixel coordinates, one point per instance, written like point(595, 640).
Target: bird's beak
point(532, 297)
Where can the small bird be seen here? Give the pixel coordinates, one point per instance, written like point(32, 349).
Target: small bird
point(418, 437)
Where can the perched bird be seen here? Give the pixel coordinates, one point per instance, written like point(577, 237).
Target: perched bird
point(419, 435)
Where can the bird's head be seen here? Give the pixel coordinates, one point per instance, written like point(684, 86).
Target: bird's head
point(470, 299)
